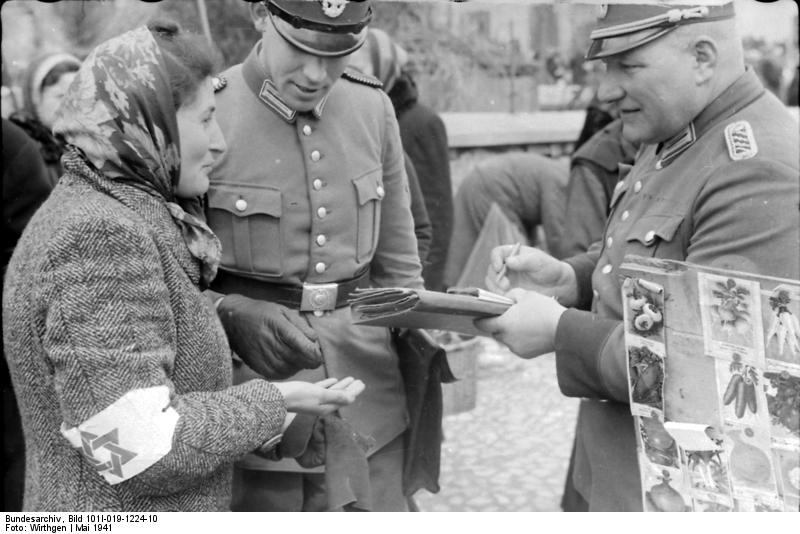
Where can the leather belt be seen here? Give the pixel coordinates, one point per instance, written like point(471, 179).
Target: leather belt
point(308, 297)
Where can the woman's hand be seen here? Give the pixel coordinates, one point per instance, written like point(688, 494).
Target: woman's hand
point(528, 327)
point(321, 398)
point(533, 270)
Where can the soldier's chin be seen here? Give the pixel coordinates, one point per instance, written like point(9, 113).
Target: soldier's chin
point(631, 133)
point(304, 101)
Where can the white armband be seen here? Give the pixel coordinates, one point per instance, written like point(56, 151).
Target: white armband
point(129, 436)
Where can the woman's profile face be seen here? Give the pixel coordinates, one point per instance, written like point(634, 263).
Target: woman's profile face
point(51, 99)
point(201, 141)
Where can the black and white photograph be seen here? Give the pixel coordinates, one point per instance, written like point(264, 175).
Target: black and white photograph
point(195, 192)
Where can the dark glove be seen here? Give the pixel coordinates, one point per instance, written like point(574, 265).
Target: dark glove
point(268, 337)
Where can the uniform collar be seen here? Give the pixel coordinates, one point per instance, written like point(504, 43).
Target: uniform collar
point(261, 86)
point(737, 96)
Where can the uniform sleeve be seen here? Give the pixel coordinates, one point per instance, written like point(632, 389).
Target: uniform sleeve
point(746, 218)
point(586, 209)
point(396, 261)
point(111, 331)
point(422, 223)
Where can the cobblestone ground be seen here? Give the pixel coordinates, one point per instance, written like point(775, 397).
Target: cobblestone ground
point(509, 453)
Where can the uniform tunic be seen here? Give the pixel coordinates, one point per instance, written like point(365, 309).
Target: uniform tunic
point(320, 197)
point(692, 199)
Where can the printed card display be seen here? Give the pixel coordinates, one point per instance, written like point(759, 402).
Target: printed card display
point(719, 351)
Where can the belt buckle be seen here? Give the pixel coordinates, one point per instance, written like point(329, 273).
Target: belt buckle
point(319, 297)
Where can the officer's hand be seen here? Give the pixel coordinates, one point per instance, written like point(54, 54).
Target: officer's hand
point(321, 398)
point(272, 340)
point(533, 270)
point(528, 327)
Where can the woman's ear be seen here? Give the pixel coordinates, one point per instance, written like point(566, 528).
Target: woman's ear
point(706, 55)
point(259, 15)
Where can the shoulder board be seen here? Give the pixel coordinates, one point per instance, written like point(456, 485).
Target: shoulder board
point(359, 77)
point(219, 82)
point(740, 140)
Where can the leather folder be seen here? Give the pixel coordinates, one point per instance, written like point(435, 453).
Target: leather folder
point(401, 307)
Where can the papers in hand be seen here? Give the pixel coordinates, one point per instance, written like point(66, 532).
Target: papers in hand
point(400, 307)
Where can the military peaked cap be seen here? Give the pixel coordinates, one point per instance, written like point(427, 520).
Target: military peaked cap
point(623, 27)
point(328, 28)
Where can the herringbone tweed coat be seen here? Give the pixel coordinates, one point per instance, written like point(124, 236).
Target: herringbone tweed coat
point(101, 298)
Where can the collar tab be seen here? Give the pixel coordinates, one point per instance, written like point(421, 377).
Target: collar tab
point(676, 146)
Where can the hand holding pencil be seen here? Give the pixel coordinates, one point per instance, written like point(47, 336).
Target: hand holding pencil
point(531, 269)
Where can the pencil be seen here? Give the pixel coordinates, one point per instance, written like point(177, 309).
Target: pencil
point(514, 251)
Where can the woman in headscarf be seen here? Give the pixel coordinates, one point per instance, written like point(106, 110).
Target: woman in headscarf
point(46, 82)
point(120, 365)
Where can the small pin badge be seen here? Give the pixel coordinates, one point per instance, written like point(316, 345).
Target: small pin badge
point(333, 8)
point(219, 82)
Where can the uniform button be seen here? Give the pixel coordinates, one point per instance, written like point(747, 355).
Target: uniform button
point(241, 204)
point(637, 187)
point(320, 268)
point(318, 313)
point(315, 155)
point(625, 215)
point(380, 191)
point(322, 212)
point(609, 241)
point(306, 130)
point(607, 269)
point(649, 236)
point(321, 240)
point(317, 184)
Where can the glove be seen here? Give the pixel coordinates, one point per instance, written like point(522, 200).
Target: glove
point(268, 337)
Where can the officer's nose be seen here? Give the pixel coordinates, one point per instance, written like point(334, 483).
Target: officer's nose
point(609, 90)
point(314, 69)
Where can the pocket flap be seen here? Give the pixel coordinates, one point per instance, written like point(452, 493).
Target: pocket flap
point(650, 227)
point(246, 201)
point(368, 187)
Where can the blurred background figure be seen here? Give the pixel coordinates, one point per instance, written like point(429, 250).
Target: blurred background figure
point(26, 186)
point(424, 140)
point(44, 84)
point(504, 198)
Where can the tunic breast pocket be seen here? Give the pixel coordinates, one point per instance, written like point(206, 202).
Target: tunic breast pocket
point(369, 193)
point(656, 236)
point(247, 221)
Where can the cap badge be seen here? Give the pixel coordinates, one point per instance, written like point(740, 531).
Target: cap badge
point(333, 8)
point(740, 140)
point(676, 15)
point(603, 11)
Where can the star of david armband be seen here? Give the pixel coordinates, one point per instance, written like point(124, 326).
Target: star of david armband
point(129, 436)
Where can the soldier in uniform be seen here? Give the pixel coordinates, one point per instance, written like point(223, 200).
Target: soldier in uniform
point(310, 202)
point(716, 183)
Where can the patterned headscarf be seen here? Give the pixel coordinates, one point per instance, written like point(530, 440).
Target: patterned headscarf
point(120, 113)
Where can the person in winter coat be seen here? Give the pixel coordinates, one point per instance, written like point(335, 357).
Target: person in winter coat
point(120, 364)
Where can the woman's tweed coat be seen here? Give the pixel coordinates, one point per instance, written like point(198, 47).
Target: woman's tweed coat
point(101, 298)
